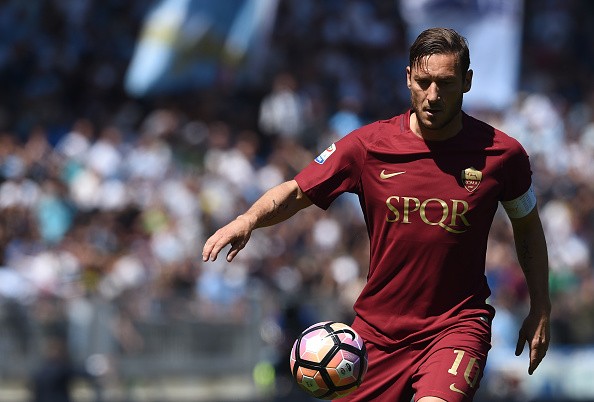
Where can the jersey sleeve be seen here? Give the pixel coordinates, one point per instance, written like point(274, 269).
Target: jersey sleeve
point(335, 171)
point(517, 175)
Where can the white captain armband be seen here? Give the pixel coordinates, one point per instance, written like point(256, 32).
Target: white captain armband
point(521, 206)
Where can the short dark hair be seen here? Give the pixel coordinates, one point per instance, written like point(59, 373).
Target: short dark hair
point(440, 41)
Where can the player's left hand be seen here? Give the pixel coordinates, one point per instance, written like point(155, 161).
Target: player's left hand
point(536, 331)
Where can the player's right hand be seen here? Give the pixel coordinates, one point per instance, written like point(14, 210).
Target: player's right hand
point(236, 233)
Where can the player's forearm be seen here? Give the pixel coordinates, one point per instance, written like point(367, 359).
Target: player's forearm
point(532, 254)
point(276, 205)
point(536, 271)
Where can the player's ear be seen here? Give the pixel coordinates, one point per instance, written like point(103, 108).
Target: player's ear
point(408, 82)
point(468, 81)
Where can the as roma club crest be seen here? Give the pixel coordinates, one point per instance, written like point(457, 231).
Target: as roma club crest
point(471, 179)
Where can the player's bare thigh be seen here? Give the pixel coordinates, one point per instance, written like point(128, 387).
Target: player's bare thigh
point(431, 399)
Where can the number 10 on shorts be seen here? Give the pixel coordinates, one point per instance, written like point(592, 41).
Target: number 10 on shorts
point(470, 367)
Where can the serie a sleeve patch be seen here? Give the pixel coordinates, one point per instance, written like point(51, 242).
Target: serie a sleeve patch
point(326, 154)
point(521, 206)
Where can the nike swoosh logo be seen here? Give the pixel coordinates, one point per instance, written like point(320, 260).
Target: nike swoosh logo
point(453, 388)
point(384, 175)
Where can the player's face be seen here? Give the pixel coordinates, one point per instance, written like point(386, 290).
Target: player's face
point(437, 87)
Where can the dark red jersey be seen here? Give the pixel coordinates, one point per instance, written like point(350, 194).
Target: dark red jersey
point(428, 206)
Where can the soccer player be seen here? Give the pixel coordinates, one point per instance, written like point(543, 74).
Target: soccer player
point(429, 182)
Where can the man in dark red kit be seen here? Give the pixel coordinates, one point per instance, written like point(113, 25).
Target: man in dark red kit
point(429, 182)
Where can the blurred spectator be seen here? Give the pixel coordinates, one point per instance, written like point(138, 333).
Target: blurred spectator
point(346, 118)
point(284, 112)
point(52, 381)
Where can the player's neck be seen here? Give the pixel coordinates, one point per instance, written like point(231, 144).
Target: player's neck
point(440, 134)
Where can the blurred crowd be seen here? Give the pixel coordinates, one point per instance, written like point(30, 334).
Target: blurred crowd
point(105, 197)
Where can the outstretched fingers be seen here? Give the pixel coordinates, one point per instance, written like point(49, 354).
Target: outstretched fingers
point(236, 234)
point(212, 247)
point(236, 247)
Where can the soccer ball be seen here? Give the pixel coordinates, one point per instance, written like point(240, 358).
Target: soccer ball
point(329, 360)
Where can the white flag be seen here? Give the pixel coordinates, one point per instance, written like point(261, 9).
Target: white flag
point(494, 32)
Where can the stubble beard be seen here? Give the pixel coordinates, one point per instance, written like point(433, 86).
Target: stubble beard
point(441, 122)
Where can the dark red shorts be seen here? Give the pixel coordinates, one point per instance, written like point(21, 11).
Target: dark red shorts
point(449, 367)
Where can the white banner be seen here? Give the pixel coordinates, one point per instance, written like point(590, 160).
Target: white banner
point(494, 32)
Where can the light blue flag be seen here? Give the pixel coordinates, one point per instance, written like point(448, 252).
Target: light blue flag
point(185, 43)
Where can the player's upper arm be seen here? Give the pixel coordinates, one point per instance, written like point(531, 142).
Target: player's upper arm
point(520, 206)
